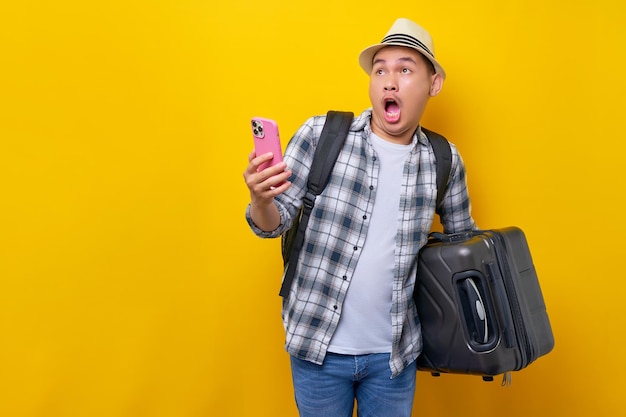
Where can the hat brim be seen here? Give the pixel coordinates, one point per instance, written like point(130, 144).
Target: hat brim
point(366, 57)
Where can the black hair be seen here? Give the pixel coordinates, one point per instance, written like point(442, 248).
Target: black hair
point(429, 64)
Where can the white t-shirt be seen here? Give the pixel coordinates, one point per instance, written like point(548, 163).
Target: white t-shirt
point(365, 323)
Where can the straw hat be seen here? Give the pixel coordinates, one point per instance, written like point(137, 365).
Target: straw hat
point(403, 33)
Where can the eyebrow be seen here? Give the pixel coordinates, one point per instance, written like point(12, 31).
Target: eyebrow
point(403, 59)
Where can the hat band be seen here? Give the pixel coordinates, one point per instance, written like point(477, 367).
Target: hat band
point(408, 40)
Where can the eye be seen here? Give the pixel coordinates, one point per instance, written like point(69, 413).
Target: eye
point(406, 70)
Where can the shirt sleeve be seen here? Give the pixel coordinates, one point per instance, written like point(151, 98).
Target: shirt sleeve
point(456, 209)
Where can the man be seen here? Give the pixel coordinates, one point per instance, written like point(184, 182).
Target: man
point(351, 326)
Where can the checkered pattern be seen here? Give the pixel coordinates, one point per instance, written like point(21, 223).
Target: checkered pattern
point(338, 228)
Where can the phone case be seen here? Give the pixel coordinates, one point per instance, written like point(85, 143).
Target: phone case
point(266, 139)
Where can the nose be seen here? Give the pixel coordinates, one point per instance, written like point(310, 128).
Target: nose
point(390, 84)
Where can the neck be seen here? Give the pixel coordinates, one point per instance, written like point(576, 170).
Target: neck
point(401, 138)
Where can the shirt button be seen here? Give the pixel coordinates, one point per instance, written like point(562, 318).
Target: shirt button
point(356, 248)
point(345, 277)
point(335, 307)
point(371, 187)
point(365, 217)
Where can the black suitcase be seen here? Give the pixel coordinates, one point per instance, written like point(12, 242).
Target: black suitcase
point(480, 304)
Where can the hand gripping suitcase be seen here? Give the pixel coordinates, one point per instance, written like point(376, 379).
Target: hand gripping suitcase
point(480, 304)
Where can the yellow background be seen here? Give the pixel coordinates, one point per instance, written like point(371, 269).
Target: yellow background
point(130, 284)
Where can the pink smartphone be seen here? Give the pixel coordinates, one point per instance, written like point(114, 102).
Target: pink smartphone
point(266, 139)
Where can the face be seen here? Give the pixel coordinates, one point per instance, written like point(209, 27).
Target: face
point(401, 84)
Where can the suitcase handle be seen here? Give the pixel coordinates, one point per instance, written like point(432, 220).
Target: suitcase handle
point(451, 237)
point(476, 310)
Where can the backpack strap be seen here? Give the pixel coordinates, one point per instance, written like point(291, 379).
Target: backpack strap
point(327, 151)
point(331, 141)
point(443, 160)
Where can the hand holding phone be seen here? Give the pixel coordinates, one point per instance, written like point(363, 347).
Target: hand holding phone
point(266, 139)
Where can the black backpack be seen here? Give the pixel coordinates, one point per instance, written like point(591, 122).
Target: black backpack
point(331, 141)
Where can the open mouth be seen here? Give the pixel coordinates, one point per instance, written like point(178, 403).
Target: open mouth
point(392, 111)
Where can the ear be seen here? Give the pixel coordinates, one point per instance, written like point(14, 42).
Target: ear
point(436, 83)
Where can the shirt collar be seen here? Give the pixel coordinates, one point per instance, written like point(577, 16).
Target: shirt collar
point(364, 122)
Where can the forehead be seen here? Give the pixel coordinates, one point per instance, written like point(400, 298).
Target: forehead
point(396, 52)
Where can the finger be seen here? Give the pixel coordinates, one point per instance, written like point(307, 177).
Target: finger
point(257, 160)
point(265, 187)
point(279, 189)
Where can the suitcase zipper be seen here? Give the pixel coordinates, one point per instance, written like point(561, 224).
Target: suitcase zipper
point(526, 348)
point(504, 307)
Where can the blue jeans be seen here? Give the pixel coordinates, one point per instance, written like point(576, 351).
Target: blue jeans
point(329, 390)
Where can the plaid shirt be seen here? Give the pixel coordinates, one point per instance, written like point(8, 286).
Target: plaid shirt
point(338, 227)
